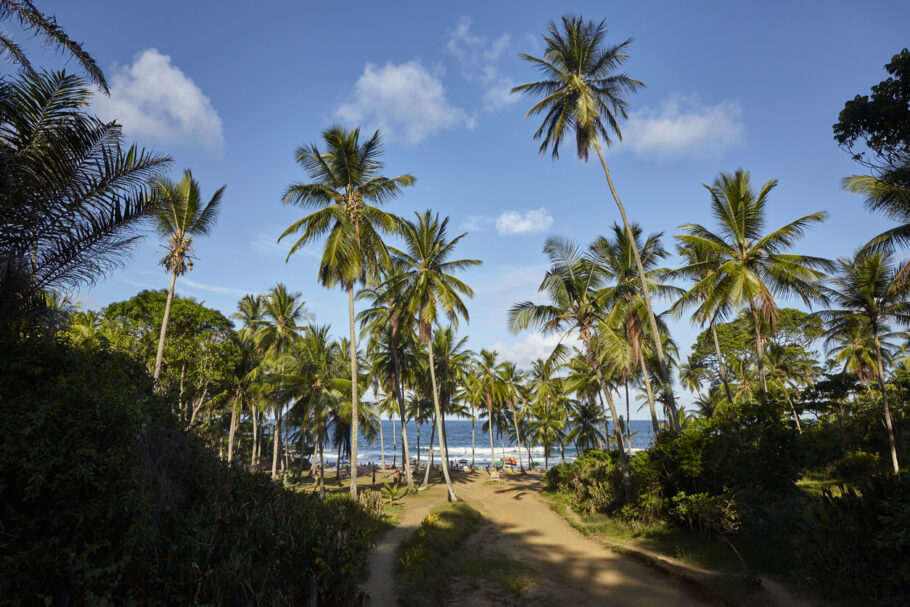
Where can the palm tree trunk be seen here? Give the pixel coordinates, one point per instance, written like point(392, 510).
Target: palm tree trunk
point(517, 436)
point(759, 347)
point(167, 314)
point(603, 407)
point(418, 445)
point(721, 367)
point(355, 402)
point(276, 438)
point(655, 333)
point(321, 440)
point(472, 436)
point(394, 440)
point(644, 373)
point(399, 397)
point(623, 457)
point(253, 446)
point(490, 426)
point(443, 452)
point(381, 445)
point(793, 409)
point(881, 384)
point(628, 415)
point(426, 475)
point(233, 431)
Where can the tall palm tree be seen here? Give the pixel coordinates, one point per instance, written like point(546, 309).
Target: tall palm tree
point(283, 312)
point(490, 386)
point(888, 194)
point(625, 296)
point(345, 179)
point(573, 286)
point(547, 427)
point(30, 18)
point(585, 95)
point(512, 379)
point(584, 417)
point(179, 215)
point(701, 263)
point(754, 267)
point(870, 287)
point(387, 320)
point(433, 291)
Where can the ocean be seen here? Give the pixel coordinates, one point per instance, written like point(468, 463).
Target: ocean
point(459, 433)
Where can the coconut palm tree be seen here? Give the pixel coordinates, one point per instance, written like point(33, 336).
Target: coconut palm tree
point(584, 417)
point(179, 215)
point(387, 319)
point(346, 178)
point(700, 264)
point(283, 312)
point(547, 427)
point(584, 95)
point(573, 285)
point(490, 385)
point(754, 267)
point(888, 194)
point(624, 295)
point(512, 388)
point(33, 20)
point(433, 291)
point(870, 287)
point(853, 347)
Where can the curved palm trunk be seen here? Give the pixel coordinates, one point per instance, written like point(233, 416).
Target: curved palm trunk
point(440, 423)
point(490, 427)
point(881, 385)
point(472, 436)
point(253, 446)
point(161, 337)
point(517, 436)
point(620, 443)
point(381, 444)
point(721, 367)
point(355, 396)
point(793, 409)
point(759, 347)
point(652, 320)
point(399, 397)
point(644, 373)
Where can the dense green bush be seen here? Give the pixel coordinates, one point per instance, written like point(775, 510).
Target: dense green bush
point(104, 500)
point(858, 544)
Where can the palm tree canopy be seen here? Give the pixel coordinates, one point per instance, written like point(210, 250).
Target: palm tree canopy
point(179, 215)
point(753, 266)
point(581, 90)
point(344, 178)
point(431, 286)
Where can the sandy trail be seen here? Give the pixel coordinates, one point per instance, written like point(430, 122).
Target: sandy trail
point(380, 586)
point(573, 569)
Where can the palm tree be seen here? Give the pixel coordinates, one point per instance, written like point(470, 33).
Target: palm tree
point(490, 385)
point(547, 427)
point(584, 417)
point(573, 285)
point(753, 267)
point(625, 295)
point(73, 194)
point(345, 179)
point(282, 313)
point(853, 346)
point(512, 379)
point(433, 290)
point(700, 265)
point(583, 93)
point(888, 194)
point(387, 320)
point(30, 18)
point(179, 215)
point(869, 287)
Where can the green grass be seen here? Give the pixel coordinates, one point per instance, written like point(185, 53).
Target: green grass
point(434, 556)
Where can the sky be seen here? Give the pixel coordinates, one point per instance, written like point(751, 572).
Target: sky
point(231, 92)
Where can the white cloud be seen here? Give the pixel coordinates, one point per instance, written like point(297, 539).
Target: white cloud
point(513, 222)
point(402, 100)
point(154, 99)
point(479, 60)
point(200, 286)
point(532, 347)
point(681, 125)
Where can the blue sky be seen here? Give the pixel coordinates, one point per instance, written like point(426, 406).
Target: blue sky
point(230, 93)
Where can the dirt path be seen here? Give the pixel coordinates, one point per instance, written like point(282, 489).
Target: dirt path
point(380, 586)
point(573, 569)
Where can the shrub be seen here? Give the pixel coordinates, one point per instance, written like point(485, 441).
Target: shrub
point(858, 544)
point(105, 500)
point(855, 466)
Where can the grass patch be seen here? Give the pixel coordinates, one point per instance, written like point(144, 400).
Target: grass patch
point(434, 556)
